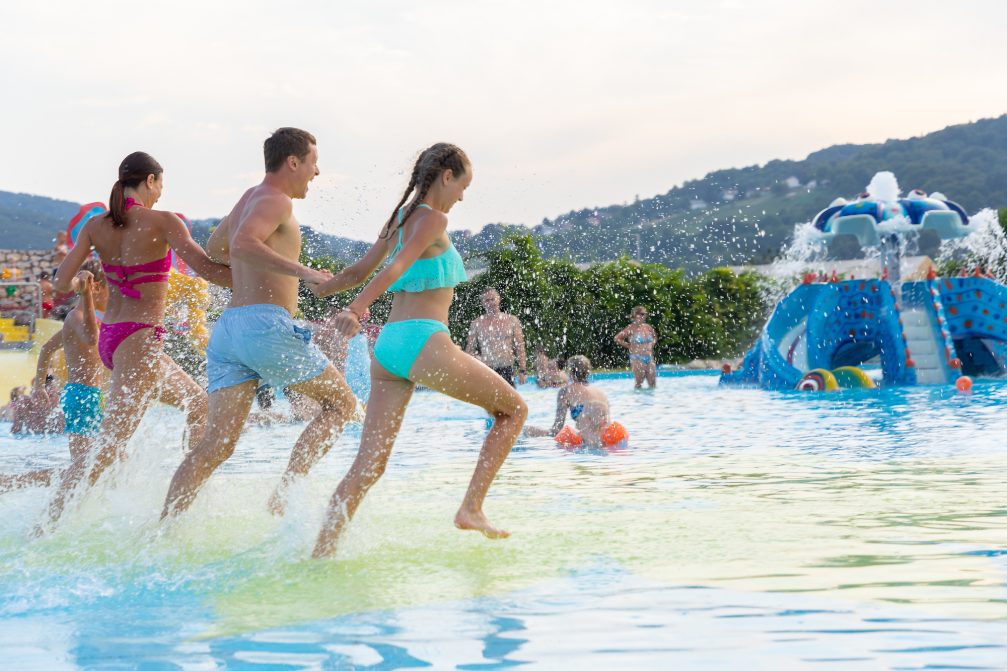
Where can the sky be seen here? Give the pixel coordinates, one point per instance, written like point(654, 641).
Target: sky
point(560, 105)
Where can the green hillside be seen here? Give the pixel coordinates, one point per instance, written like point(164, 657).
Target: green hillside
point(30, 222)
point(746, 214)
point(729, 216)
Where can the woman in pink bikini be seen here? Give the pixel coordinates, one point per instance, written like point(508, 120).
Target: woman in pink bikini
point(134, 243)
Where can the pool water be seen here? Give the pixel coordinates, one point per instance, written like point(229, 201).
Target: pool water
point(739, 528)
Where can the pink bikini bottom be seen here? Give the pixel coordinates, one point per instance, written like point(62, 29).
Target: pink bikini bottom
point(112, 335)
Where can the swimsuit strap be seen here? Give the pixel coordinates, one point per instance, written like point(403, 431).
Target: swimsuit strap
point(399, 218)
point(160, 269)
point(158, 266)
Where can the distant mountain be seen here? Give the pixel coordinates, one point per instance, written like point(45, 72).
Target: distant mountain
point(729, 216)
point(30, 222)
point(746, 214)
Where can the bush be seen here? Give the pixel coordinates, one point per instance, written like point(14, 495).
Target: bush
point(569, 310)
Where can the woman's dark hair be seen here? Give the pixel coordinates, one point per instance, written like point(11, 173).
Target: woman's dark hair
point(133, 171)
point(429, 166)
point(579, 368)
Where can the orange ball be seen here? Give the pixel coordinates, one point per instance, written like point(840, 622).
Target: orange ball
point(964, 383)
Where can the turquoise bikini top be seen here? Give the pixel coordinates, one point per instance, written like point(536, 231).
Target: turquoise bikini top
point(443, 271)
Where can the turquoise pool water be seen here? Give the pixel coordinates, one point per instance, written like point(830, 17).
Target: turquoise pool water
point(740, 528)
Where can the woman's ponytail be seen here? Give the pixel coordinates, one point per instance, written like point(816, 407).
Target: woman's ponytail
point(133, 171)
point(117, 204)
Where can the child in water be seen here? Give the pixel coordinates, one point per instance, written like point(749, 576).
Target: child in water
point(81, 397)
point(588, 407)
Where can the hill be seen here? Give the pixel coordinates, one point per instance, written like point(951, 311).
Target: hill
point(728, 217)
point(746, 214)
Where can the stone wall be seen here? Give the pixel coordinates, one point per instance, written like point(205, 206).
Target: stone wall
point(22, 265)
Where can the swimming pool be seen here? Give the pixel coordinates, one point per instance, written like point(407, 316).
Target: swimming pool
point(858, 529)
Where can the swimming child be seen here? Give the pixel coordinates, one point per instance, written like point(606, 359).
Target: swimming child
point(640, 338)
point(415, 346)
point(588, 407)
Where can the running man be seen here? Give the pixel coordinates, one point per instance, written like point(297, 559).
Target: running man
point(255, 340)
point(498, 338)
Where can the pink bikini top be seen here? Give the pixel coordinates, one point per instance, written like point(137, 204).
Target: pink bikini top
point(126, 286)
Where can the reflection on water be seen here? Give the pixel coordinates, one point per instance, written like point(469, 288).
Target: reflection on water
point(861, 529)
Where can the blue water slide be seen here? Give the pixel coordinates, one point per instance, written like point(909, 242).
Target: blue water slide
point(927, 335)
point(769, 364)
point(976, 317)
point(859, 321)
point(828, 326)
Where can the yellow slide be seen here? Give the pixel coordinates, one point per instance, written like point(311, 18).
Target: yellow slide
point(17, 367)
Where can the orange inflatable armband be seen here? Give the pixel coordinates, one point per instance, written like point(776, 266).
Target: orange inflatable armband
point(567, 436)
point(614, 434)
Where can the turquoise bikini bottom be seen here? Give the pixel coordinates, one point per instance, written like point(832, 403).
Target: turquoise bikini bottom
point(400, 343)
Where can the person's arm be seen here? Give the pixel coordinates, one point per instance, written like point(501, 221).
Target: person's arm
point(87, 328)
point(472, 342)
point(621, 338)
point(425, 231)
point(63, 282)
point(557, 425)
point(45, 355)
point(218, 246)
point(354, 274)
point(521, 355)
point(248, 241)
point(178, 237)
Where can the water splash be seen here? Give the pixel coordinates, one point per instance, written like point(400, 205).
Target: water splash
point(985, 248)
point(884, 186)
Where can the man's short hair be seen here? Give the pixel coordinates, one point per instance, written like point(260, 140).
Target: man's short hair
point(286, 142)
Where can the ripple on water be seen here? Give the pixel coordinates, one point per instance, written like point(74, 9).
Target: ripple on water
point(739, 526)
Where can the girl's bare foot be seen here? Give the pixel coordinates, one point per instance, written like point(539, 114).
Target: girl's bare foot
point(476, 521)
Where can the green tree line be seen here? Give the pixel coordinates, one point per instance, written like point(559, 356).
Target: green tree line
point(568, 310)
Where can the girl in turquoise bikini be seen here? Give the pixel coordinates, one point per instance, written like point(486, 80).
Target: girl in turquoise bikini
point(415, 346)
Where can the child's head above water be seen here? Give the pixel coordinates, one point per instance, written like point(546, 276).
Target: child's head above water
point(579, 368)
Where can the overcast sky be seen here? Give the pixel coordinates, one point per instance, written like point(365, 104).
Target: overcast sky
point(560, 105)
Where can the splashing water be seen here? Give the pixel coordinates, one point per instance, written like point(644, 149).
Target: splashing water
point(986, 247)
point(884, 186)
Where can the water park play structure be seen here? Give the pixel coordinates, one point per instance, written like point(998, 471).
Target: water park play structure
point(927, 331)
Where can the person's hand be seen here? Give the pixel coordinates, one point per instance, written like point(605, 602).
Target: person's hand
point(82, 282)
point(346, 323)
point(315, 276)
point(315, 280)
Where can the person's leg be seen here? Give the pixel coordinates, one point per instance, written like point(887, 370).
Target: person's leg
point(178, 389)
point(389, 397)
point(336, 405)
point(445, 367)
point(228, 409)
point(40, 477)
point(135, 381)
point(652, 372)
point(638, 372)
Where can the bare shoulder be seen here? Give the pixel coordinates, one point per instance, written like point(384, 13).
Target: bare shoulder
point(432, 218)
point(73, 319)
point(270, 202)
